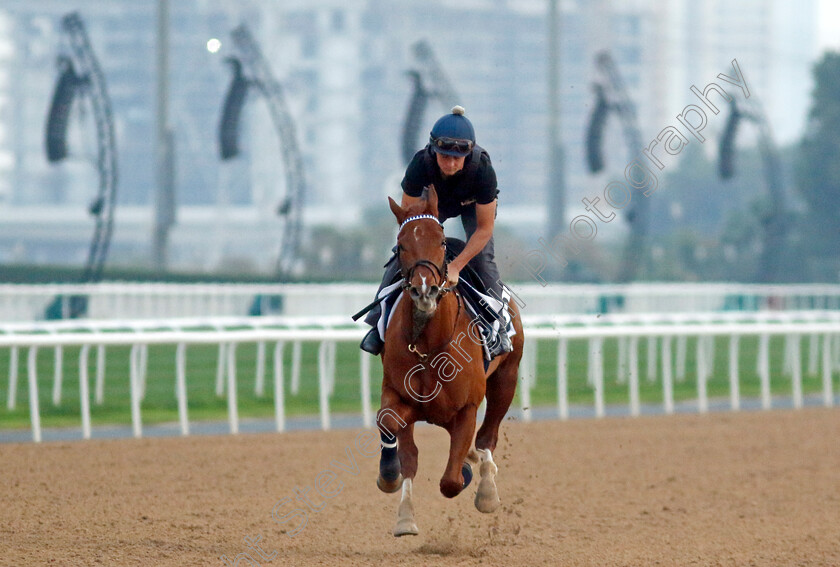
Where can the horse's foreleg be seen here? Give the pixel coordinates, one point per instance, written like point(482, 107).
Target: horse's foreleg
point(398, 458)
point(392, 418)
point(408, 463)
point(458, 473)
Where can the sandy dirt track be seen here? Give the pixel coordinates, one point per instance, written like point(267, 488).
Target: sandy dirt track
point(720, 489)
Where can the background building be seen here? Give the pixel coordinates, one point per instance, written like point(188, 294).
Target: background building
point(343, 67)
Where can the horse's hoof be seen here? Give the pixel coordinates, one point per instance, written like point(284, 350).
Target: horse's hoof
point(486, 503)
point(389, 487)
point(487, 498)
point(405, 527)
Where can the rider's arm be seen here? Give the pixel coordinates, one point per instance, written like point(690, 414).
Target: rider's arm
point(485, 216)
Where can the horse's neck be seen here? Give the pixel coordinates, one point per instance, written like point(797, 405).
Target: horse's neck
point(435, 328)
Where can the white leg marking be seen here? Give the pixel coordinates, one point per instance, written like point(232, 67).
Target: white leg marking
point(487, 498)
point(405, 513)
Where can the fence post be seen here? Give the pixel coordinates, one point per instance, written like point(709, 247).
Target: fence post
point(13, 377)
point(633, 346)
point(296, 356)
point(796, 378)
point(598, 361)
point(734, 383)
point(367, 412)
point(621, 365)
point(233, 408)
point(181, 386)
point(667, 376)
point(143, 369)
point(710, 356)
point(34, 407)
point(323, 385)
point(562, 379)
point(259, 380)
point(100, 374)
point(84, 394)
point(58, 374)
point(764, 371)
point(331, 354)
point(702, 395)
point(134, 384)
point(828, 395)
point(279, 394)
point(220, 371)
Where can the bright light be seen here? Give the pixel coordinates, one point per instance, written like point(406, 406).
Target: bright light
point(213, 45)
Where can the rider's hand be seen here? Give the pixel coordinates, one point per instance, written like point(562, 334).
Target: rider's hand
point(452, 275)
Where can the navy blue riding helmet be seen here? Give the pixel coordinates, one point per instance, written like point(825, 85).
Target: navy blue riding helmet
point(453, 134)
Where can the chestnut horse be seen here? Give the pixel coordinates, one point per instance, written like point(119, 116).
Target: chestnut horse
point(434, 371)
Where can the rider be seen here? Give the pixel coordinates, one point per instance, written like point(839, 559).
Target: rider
point(465, 182)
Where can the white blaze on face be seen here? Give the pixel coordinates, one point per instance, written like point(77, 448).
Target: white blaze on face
point(423, 287)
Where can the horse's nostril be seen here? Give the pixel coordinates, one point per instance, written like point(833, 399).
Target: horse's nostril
point(414, 292)
point(434, 290)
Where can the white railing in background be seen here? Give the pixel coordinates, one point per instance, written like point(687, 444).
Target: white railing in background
point(124, 300)
point(822, 328)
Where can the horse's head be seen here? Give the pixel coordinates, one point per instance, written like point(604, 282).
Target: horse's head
point(421, 247)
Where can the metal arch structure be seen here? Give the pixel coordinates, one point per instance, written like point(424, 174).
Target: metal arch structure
point(773, 219)
point(251, 70)
point(80, 74)
point(612, 96)
point(429, 82)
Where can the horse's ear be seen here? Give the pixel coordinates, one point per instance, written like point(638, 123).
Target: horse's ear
point(431, 200)
point(397, 210)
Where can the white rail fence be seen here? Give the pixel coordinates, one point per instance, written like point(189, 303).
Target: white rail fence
point(821, 328)
point(126, 300)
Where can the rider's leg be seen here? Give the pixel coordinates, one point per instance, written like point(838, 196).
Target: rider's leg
point(372, 343)
point(484, 263)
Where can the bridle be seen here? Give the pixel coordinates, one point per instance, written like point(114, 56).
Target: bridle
point(441, 272)
point(408, 273)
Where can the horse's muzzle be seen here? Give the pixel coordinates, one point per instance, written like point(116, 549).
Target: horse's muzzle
point(425, 298)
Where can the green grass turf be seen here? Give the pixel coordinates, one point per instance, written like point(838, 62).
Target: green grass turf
point(160, 403)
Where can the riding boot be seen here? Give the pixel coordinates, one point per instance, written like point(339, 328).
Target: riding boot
point(502, 344)
point(372, 343)
point(504, 339)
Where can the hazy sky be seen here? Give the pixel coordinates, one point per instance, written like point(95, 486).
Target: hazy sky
point(829, 24)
